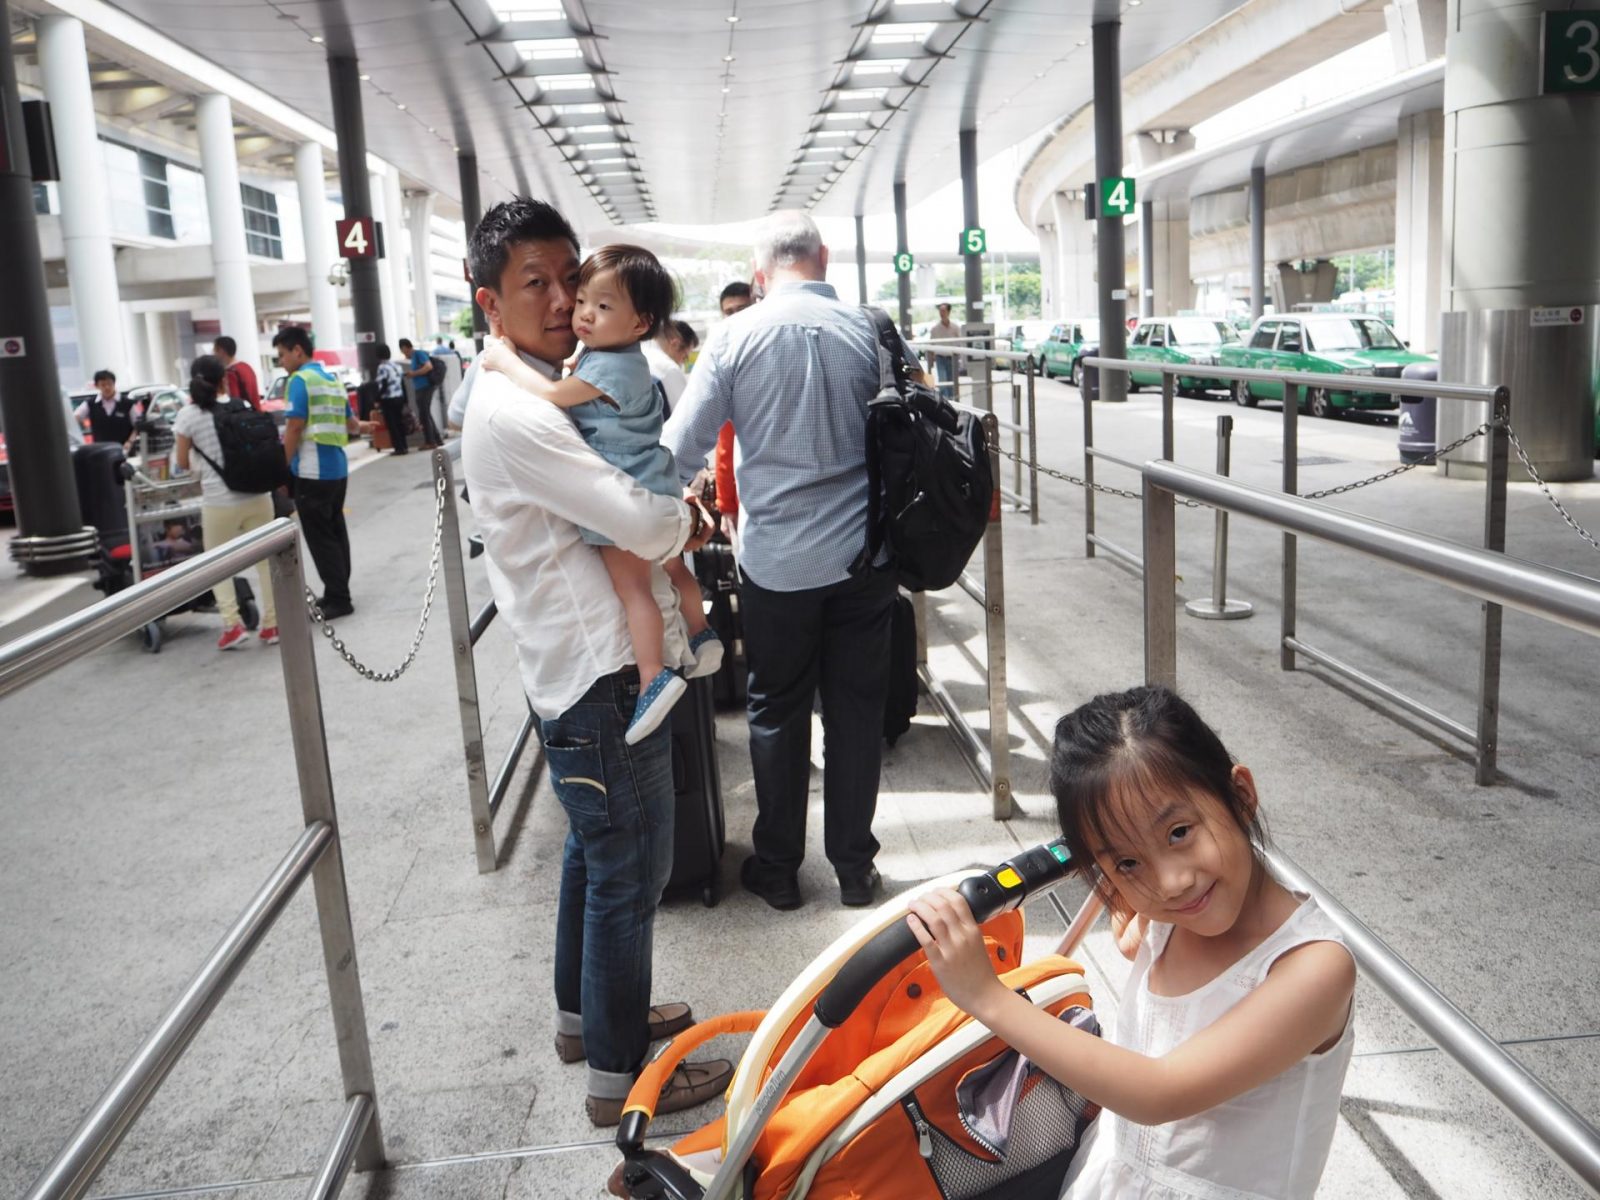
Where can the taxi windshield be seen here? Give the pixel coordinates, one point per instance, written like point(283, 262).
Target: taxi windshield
point(1197, 331)
point(1350, 333)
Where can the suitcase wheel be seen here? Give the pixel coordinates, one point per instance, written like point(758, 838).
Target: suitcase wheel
point(708, 895)
point(150, 636)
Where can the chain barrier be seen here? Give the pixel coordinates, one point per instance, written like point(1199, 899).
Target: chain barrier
point(1075, 481)
point(1533, 474)
point(1426, 460)
point(356, 665)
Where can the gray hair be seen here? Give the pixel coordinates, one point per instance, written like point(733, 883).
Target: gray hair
point(788, 239)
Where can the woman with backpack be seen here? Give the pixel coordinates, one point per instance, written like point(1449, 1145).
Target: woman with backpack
point(224, 513)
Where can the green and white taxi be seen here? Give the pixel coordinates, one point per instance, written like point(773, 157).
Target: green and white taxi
point(1325, 344)
point(1062, 352)
point(1179, 340)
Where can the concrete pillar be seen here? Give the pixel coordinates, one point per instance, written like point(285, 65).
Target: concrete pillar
point(85, 197)
point(471, 214)
point(1168, 238)
point(1418, 234)
point(419, 216)
point(1416, 31)
point(968, 145)
point(380, 214)
point(344, 81)
point(1047, 271)
point(230, 259)
point(1075, 257)
point(155, 346)
point(1106, 37)
point(322, 254)
point(1147, 254)
point(861, 256)
point(900, 248)
point(397, 246)
point(1258, 241)
point(139, 364)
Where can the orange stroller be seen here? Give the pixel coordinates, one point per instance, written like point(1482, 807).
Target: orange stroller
point(864, 1083)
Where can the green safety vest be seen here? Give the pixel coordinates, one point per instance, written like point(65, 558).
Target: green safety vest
point(326, 406)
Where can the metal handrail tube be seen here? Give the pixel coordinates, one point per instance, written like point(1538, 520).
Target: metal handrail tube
point(508, 767)
point(1392, 694)
point(98, 1134)
point(1113, 458)
point(1560, 596)
point(481, 622)
point(1338, 383)
point(973, 588)
point(36, 654)
point(942, 347)
point(1008, 426)
point(341, 1153)
point(1545, 1115)
point(1121, 553)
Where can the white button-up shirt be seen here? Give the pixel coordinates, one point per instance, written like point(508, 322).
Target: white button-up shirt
point(533, 481)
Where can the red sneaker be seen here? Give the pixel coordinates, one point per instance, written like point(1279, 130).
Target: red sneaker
point(232, 637)
point(269, 635)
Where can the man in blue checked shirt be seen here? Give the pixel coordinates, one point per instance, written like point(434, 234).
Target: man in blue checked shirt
point(795, 374)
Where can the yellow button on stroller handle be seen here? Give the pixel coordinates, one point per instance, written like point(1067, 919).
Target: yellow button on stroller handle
point(1008, 878)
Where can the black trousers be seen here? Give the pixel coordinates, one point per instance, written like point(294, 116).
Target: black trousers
point(321, 506)
point(430, 427)
point(394, 416)
point(835, 638)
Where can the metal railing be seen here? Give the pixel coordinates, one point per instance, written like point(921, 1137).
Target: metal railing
point(484, 798)
point(1483, 737)
point(991, 763)
point(316, 853)
point(1022, 426)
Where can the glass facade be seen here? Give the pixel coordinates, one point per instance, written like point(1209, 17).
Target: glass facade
point(262, 234)
point(157, 197)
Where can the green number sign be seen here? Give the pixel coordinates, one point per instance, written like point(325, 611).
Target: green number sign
point(974, 241)
point(903, 262)
point(1571, 52)
point(1117, 193)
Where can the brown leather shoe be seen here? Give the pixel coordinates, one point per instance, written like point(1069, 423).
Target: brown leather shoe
point(692, 1083)
point(665, 1020)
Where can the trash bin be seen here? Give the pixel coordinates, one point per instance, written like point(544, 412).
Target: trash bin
point(1090, 388)
point(1419, 416)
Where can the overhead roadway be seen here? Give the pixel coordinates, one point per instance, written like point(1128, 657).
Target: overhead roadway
point(685, 111)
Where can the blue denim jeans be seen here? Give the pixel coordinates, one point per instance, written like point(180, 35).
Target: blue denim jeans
point(618, 855)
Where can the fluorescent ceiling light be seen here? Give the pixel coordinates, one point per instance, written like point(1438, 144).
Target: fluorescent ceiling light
point(549, 11)
point(879, 66)
point(534, 49)
point(564, 83)
point(873, 93)
point(911, 31)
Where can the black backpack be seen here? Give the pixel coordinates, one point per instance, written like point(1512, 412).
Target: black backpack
point(929, 483)
point(252, 455)
point(441, 372)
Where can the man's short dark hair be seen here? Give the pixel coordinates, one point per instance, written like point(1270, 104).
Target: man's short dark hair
point(381, 351)
point(292, 337)
point(404, 343)
point(225, 344)
point(507, 224)
point(686, 334)
point(737, 290)
point(102, 373)
point(648, 284)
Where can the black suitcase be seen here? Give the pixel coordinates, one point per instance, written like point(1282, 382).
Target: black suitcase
point(901, 704)
point(699, 831)
point(97, 472)
point(718, 575)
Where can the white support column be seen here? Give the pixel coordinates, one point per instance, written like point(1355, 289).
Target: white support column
point(316, 227)
point(380, 214)
point(230, 260)
point(1076, 268)
point(420, 218)
point(85, 197)
point(397, 245)
point(163, 350)
point(138, 361)
point(1418, 234)
point(1169, 225)
point(1047, 270)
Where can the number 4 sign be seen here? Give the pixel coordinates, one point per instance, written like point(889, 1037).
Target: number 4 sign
point(1118, 196)
point(356, 238)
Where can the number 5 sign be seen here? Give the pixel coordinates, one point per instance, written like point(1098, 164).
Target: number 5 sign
point(356, 238)
point(974, 241)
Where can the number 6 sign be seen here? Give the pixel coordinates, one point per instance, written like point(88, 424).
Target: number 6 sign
point(356, 238)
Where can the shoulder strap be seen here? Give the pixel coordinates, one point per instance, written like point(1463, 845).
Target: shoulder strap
point(893, 369)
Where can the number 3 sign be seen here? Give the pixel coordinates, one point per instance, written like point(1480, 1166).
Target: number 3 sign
point(356, 238)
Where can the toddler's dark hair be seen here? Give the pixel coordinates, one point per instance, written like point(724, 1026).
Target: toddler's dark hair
point(1146, 739)
point(648, 284)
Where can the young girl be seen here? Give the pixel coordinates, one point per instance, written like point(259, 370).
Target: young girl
point(624, 296)
point(1222, 1077)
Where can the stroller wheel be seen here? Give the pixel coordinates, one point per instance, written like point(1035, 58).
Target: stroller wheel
point(150, 635)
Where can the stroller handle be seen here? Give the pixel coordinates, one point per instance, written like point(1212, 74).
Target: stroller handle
point(989, 895)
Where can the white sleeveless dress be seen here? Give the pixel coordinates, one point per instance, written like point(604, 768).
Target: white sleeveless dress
point(1268, 1144)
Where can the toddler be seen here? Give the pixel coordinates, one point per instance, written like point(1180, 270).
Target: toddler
point(1223, 1073)
point(624, 296)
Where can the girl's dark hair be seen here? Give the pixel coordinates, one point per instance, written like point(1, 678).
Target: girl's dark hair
point(1146, 739)
point(205, 380)
point(686, 334)
point(648, 284)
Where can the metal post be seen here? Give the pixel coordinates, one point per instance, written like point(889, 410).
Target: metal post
point(471, 214)
point(1258, 241)
point(956, 364)
point(355, 187)
point(901, 248)
point(1291, 487)
point(1088, 468)
point(1160, 594)
point(1033, 451)
point(1219, 607)
point(1110, 255)
point(30, 388)
point(1016, 432)
point(1494, 538)
point(1147, 259)
point(1168, 441)
point(861, 256)
point(968, 145)
point(298, 654)
point(994, 593)
point(455, 595)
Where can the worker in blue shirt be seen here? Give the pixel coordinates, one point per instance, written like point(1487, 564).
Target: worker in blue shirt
point(318, 426)
point(423, 387)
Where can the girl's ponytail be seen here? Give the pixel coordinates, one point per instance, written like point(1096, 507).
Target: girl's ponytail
point(205, 380)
